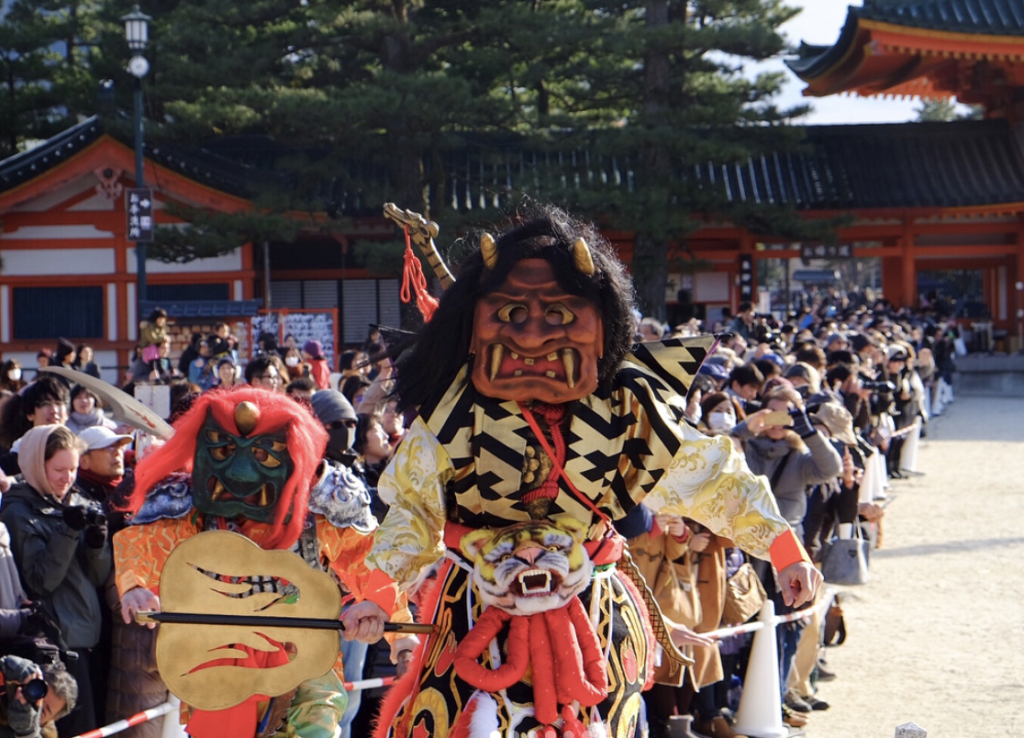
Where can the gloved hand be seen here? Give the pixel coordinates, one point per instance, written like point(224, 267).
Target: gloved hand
point(801, 423)
point(75, 517)
point(96, 535)
point(17, 669)
point(22, 715)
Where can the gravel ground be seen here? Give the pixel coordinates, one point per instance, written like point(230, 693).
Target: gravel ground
point(937, 636)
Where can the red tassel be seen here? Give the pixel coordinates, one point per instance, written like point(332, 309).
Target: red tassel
point(413, 282)
point(572, 728)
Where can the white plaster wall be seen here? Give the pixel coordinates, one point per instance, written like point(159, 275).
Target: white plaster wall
point(133, 327)
point(112, 312)
point(32, 262)
point(53, 199)
point(98, 202)
point(226, 263)
point(55, 232)
point(108, 359)
point(5, 314)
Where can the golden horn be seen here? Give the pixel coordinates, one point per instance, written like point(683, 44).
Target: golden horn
point(581, 255)
point(247, 415)
point(489, 251)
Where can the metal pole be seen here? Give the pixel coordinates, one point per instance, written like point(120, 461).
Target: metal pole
point(140, 246)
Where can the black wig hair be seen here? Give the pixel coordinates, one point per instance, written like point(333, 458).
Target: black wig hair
point(442, 346)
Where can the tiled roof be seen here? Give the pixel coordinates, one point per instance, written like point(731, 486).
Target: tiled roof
point(840, 167)
point(194, 162)
point(205, 308)
point(988, 17)
point(30, 164)
point(903, 165)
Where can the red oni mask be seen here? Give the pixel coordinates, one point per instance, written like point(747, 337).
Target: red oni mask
point(532, 340)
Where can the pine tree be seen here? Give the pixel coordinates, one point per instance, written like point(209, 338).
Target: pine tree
point(662, 90)
point(45, 48)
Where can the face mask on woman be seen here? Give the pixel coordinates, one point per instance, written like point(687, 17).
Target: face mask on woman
point(721, 421)
point(292, 361)
point(14, 375)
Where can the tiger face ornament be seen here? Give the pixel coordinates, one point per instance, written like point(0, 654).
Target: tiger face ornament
point(530, 567)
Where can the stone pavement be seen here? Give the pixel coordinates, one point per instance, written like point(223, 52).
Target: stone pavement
point(937, 636)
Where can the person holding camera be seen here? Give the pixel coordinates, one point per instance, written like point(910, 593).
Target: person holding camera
point(60, 544)
point(782, 444)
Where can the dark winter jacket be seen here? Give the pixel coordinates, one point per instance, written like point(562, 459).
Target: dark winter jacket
point(56, 567)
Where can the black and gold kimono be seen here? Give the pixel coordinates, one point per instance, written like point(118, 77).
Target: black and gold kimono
point(465, 460)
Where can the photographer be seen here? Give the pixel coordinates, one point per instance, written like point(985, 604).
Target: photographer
point(31, 700)
point(782, 444)
point(61, 548)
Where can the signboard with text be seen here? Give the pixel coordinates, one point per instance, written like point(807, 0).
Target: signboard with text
point(821, 251)
point(139, 208)
point(746, 277)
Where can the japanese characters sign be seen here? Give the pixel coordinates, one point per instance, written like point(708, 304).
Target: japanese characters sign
point(139, 207)
point(820, 251)
point(746, 277)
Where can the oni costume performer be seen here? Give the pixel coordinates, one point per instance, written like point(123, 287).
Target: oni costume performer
point(537, 427)
point(249, 461)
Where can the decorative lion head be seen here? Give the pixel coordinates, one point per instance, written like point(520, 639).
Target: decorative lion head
point(529, 567)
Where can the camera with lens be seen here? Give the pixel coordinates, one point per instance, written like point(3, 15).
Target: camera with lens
point(78, 517)
point(34, 689)
point(879, 386)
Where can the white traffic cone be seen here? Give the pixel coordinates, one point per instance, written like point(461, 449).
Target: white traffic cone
point(760, 712)
point(172, 727)
point(908, 456)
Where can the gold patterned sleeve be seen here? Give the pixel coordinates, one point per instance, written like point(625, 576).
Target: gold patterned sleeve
point(411, 536)
point(708, 481)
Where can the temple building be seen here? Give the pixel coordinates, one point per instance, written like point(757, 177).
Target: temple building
point(919, 200)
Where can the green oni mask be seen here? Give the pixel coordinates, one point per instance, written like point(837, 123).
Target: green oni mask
point(236, 476)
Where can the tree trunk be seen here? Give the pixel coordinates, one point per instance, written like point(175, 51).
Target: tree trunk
point(650, 252)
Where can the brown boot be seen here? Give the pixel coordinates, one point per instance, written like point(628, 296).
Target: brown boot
point(715, 728)
point(793, 718)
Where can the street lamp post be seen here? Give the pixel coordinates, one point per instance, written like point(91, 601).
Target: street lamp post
point(136, 31)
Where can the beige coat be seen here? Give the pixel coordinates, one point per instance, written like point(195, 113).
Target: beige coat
point(707, 667)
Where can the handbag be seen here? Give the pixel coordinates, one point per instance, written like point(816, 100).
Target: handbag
point(835, 624)
point(677, 595)
point(150, 353)
point(845, 560)
point(744, 596)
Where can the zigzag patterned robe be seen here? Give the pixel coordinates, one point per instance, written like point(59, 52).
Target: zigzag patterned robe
point(463, 460)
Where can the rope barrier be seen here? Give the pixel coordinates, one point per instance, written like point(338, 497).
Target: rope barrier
point(136, 719)
point(777, 620)
point(369, 684)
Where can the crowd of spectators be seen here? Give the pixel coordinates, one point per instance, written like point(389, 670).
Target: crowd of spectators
point(828, 405)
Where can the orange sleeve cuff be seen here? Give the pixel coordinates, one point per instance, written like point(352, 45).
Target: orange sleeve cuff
point(382, 590)
point(786, 550)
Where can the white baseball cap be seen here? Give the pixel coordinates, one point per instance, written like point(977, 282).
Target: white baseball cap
point(99, 436)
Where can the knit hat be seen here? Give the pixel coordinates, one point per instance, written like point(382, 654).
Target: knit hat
point(331, 406)
point(314, 349)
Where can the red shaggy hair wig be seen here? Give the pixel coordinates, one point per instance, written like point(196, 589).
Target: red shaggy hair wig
point(306, 437)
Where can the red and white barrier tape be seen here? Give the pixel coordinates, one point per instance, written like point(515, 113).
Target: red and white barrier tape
point(368, 684)
point(137, 719)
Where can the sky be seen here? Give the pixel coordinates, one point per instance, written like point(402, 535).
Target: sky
point(820, 23)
